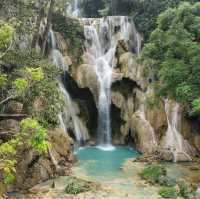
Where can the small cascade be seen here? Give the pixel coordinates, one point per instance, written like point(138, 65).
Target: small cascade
point(174, 140)
point(73, 9)
point(198, 192)
point(142, 114)
point(102, 36)
point(69, 111)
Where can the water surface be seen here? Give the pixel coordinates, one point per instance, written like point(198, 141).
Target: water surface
point(102, 165)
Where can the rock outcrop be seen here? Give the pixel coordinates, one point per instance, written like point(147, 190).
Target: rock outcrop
point(86, 78)
point(33, 167)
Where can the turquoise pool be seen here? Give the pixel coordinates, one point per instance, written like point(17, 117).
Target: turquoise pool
point(100, 164)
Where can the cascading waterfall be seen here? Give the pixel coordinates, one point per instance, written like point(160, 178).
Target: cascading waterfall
point(173, 140)
point(102, 36)
point(142, 114)
point(73, 9)
point(69, 110)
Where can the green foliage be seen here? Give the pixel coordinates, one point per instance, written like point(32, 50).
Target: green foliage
point(174, 49)
point(31, 135)
point(35, 133)
point(72, 32)
point(153, 173)
point(168, 192)
point(76, 186)
point(20, 85)
point(153, 101)
point(8, 169)
point(34, 78)
point(3, 80)
point(196, 106)
point(144, 13)
point(34, 74)
point(91, 8)
point(6, 33)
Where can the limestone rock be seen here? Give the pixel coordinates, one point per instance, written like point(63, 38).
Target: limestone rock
point(61, 142)
point(141, 132)
point(14, 107)
point(126, 107)
point(131, 69)
point(8, 128)
point(86, 58)
point(62, 45)
point(33, 168)
point(68, 60)
point(86, 78)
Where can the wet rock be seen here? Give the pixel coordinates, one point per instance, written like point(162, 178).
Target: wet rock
point(143, 136)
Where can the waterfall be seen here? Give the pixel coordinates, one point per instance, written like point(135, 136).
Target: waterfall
point(102, 36)
point(173, 140)
point(73, 9)
point(198, 192)
point(142, 114)
point(69, 110)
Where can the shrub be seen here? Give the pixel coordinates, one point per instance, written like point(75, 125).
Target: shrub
point(32, 135)
point(168, 192)
point(76, 186)
point(153, 173)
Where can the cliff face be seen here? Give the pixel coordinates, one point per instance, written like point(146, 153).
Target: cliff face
point(153, 125)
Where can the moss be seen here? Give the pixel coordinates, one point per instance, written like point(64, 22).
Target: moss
point(153, 173)
point(72, 32)
point(168, 192)
point(76, 186)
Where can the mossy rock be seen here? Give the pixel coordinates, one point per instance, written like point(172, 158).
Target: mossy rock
point(153, 173)
point(76, 186)
point(168, 192)
point(73, 33)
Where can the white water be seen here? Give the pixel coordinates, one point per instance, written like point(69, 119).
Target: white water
point(174, 139)
point(198, 193)
point(69, 110)
point(73, 9)
point(142, 114)
point(102, 36)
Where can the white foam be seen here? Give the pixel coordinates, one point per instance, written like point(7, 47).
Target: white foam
point(106, 147)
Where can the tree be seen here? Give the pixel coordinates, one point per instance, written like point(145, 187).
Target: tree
point(31, 135)
point(174, 48)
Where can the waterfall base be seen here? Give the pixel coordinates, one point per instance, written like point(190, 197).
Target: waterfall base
point(106, 147)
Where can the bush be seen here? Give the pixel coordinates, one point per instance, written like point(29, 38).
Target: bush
point(168, 192)
point(153, 173)
point(32, 135)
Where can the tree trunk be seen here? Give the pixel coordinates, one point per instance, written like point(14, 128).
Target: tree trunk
point(46, 31)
